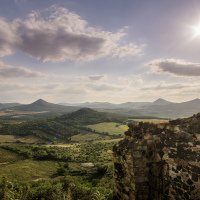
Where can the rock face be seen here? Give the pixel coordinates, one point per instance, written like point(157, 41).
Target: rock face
point(158, 162)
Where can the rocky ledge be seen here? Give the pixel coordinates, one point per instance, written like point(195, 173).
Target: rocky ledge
point(158, 162)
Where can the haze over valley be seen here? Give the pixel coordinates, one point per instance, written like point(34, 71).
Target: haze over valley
point(158, 108)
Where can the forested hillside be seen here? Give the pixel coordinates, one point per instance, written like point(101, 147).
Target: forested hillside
point(60, 128)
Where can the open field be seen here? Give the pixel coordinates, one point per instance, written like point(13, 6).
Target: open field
point(8, 156)
point(26, 170)
point(61, 145)
point(24, 139)
point(19, 113)
point(116, 140)
point(154, 121)
point(109, 127)
point(88, 137)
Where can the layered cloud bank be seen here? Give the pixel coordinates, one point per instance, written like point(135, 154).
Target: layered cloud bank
point(9, 71)
point(57, 34)
point(176, 67)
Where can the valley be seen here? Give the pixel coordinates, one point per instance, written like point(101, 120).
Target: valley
point(72, 148)
point(48, 152)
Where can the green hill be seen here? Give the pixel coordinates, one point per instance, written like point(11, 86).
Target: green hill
point(61, 128)
point(90, 116)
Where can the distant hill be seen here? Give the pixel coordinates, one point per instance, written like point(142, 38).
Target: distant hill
point(107, 105)
point(133, 104)
point(90, 116)
point(8, 105)
point(92, 105)
point(172, 110)
point(158, 108)
point(41, 105)
point(126, 105)
point(161, 102)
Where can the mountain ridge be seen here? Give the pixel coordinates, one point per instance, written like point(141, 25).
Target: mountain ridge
point(41, 105)
point(158, 108)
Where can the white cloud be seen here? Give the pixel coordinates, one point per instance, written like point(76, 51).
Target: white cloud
point(8, 71)
point(7, 38)
point(166, 87)
point(175, 67)
point(105, 87)
point(58, 34)
point(73, 88)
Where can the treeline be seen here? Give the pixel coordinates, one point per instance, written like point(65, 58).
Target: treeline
point(40, 153)
point(48, 130)
point(88, 152)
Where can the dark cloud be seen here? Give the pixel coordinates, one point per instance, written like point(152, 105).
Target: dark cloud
point(105, 87)
point(176, 67)
point(59, 45)
point(61, 35)
point(96, 77)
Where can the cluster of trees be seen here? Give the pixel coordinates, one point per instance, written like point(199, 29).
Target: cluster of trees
point(68, 188)
point(45, 129)
point(88, 152)
point(40, 152)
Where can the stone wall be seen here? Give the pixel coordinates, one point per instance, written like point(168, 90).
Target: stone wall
point(157, 162)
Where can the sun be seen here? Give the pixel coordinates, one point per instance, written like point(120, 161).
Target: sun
point(196, 30)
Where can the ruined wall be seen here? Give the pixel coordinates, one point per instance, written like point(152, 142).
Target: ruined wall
point(157, 162)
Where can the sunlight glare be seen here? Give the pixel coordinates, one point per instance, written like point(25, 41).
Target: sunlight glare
point(196, 31)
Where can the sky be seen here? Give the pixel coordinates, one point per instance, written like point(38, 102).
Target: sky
point(103, 51)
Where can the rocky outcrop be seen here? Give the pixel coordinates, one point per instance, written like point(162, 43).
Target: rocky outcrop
point(158, 162)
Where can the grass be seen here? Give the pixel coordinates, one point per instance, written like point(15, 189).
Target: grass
point(109, 141)
point(111, 128)
point(8, 156)
point(88, 137)
point(73, 145)
point(14, 138)
point(26, 170)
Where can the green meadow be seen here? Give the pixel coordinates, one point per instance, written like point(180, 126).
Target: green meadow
point(111, 128)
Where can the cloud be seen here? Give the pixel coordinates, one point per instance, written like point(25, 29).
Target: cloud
point(96, 77)
point(7, 38)
point(175, 67)
point(166, 87)
point(58, 34)
point(8, 71)
point(105, 87)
